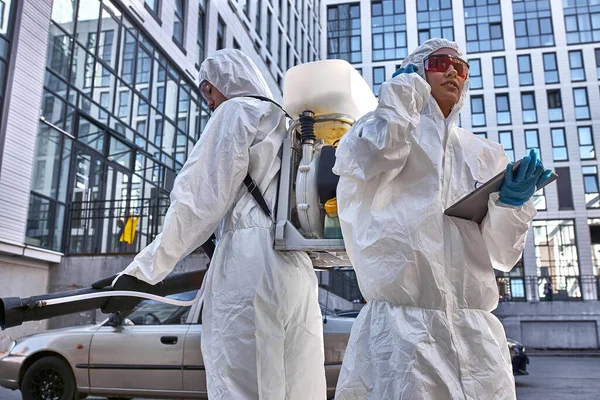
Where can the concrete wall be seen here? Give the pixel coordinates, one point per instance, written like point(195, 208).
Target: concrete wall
point(79, 272)
point(552, 325)
point(21, 278)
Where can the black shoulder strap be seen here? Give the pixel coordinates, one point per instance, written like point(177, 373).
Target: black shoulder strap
point(263, 98)
point(248, 181)
point(253, 190)
point(209, 246)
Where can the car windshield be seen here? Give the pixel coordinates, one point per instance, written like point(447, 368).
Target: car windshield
point(150, 312)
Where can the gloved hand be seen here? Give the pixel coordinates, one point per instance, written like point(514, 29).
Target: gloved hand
point(518, 188)
point(409, 69)
point(124, 282)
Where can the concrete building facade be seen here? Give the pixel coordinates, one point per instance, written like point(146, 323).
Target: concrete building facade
point(535, 83)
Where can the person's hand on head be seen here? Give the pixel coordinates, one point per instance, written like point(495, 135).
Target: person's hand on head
point(409, 69)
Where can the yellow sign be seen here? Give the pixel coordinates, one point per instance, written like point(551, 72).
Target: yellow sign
point(128, 234)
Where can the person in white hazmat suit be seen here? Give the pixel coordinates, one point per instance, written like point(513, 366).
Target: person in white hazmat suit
point(426, 331)
point(262, 334)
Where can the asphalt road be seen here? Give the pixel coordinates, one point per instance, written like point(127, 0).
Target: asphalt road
point(550, 378)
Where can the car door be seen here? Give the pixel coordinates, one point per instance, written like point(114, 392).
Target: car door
point(145, 352)
point(194, 374)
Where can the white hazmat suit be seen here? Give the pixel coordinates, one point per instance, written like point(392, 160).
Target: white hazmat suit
point(262, 334)
point(426, 331)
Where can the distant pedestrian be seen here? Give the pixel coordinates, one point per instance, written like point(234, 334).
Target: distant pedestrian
point(548, 290)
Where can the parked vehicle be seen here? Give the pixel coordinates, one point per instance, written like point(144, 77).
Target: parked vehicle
point(519, 357)
point(153, 351)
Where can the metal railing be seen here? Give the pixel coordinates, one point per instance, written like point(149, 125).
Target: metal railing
point(113, 226)
point(537, 288)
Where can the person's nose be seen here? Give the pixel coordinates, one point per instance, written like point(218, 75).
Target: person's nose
point(451, 72)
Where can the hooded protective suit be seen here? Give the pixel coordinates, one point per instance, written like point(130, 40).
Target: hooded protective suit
point(262, 334)
point(426, 331)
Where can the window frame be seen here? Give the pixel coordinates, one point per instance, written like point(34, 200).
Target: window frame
point(591, 133)
point(480, 76)
point(530, 72)
point(554, 146)
point(550, 92)
point(507, 96)
point(155, 13)
point(582, 68)
point(546, 71)
point(504, 75)
point(478, 97)
point(183, 20)
point(587, 103)
point(523, 109)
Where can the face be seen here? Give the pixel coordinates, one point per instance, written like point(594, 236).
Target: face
point(446, 82)
point(211, 94)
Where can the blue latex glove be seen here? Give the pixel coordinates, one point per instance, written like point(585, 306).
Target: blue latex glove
point(409, 69)
point(520, 186)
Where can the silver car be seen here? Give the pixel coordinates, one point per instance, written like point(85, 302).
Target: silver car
point(153, 351)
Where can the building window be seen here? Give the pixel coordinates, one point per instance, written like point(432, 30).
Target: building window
point(434, 19)
point(556, 258)
point(476, 82)
point(477, 111)
point(532, 140)
point(503, 109)
point(590, 186)
point(483, 23)
point(269, 23)
point(179, 22)
point(551, 68)
point(528, 106)
point(555, 111)
point(500, 78)
point(257, 20)
point(281, 51)
point(200, 37)
point(559, 145)
point(378, 79)
point(525, 72)
point(598, 63)
point(141, 113)
point(221, 29)
point(582, 21)
point(582, 109)
point(533, 24)
point(506, 141)
point(586, 143)
point(154, 7)
point(388, 24)
point(576, 64)
point(343, 32)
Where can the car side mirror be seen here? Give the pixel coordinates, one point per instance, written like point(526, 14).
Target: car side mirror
point(115, 320)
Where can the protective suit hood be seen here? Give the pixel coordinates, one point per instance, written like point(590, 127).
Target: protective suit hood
point(418, 57)
point(234, 74)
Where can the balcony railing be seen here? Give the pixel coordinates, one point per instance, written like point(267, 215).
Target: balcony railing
point(116, 226)
point(563, 287)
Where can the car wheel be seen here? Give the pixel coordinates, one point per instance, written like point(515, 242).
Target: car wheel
point(49, 378)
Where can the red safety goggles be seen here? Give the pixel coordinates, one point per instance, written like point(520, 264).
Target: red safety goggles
point(441, 63)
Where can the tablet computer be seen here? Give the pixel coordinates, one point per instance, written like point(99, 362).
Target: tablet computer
point(474, 206)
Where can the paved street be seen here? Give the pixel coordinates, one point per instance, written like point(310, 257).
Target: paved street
point(550, 378)
point(560, 378)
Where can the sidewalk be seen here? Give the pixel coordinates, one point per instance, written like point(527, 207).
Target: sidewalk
point(562, 353)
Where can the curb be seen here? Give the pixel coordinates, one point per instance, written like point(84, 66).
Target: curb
point(563, 353)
